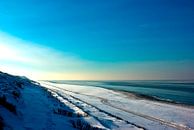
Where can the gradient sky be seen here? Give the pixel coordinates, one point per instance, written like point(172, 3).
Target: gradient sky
point(97, 39)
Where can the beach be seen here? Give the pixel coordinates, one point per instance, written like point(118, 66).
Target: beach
point(114, 109)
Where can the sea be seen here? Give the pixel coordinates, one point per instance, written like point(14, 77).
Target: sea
point(180, 92)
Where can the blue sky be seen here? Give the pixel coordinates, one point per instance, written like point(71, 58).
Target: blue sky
point(125, 39)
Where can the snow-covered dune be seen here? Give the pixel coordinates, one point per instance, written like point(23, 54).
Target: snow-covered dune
point(25, 105)
point(116, 110)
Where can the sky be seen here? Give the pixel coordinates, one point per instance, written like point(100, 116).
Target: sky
point(98, 39)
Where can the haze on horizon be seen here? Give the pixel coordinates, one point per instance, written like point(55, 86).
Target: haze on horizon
point(98, 40)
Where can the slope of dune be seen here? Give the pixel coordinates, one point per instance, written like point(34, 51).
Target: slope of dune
point(24, 104)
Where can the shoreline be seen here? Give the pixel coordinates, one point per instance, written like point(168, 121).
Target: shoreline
point(151, 98)
point(124, 108)
point(137, 95)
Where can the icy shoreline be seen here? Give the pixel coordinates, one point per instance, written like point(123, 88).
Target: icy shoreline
point(162, 91)
point(155, 99)
point(143, 113)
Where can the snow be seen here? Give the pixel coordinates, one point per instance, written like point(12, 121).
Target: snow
point(38, 109)
point(115, 110)
point(25, 104)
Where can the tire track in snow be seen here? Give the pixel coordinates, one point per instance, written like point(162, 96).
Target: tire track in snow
point(170, 124)
point(102, 111)
point(90, 105)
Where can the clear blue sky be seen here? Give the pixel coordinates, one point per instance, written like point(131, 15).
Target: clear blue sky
point(105, 32)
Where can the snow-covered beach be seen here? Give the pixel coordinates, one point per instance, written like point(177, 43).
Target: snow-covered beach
point(117, 110)
point(26, 104)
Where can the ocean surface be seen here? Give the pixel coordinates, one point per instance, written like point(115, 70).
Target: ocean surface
point(171, 91)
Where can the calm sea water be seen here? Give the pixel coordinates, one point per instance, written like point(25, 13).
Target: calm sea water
point(175, 91)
